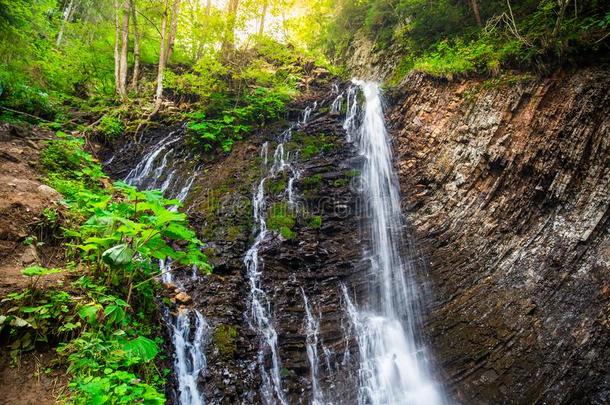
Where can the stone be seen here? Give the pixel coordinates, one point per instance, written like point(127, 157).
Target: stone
point(49, 192)
point(183, 298)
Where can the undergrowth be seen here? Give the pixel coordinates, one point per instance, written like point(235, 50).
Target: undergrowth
point(101, 320)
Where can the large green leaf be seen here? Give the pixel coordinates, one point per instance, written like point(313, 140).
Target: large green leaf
point(142, 347)
point(89, 312)
point(118, 256)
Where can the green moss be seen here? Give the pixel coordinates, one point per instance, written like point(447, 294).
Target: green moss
point(341, 182)
point(276, 186)
point(352, 173)
point(225, 340)
point(315, 222)
point(234, 232)
point(312, 181)
point(281, 219)
point(311, 145)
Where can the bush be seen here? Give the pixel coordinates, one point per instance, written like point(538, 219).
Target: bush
point(281, 219)
point(110, 127)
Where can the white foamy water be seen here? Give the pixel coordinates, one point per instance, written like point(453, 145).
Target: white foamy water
point(312, 331)
point(392, 362)
point(189, 360)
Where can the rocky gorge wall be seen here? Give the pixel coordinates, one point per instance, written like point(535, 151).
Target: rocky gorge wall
point(506, 185)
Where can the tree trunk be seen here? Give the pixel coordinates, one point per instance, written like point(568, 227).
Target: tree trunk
point(477, 14)
point(136, 47)
point(124, 48)
point(173, 30)
point(563, 4)
point(228, 43)
point(162, 58)
point(67, 17)
point(261, 27)
point(117, 40)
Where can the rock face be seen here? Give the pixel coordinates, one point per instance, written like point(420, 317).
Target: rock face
point(507, 187)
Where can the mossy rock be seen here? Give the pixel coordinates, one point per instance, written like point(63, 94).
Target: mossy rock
point(280, 218)
point(225, 340)
point(315, 222)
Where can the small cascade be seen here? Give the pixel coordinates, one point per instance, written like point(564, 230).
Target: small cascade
point(335, 107)
point(312, 331)
point(259, 315)
point(144, 170)
point(189, 360)
point(392, 365)
point(307, 113)
point(350, 125)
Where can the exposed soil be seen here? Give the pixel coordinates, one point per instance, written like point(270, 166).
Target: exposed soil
point(31, 381)
point(23, 198)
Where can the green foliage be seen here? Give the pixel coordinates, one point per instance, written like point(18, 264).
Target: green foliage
point(280, 218)
point(69, 168)
point(18, 94)
point(225, 340)
point(442, 37)
point(310, 145)
point(260, 106)
point(110, 127)
point(103, 322)
point(315, 222)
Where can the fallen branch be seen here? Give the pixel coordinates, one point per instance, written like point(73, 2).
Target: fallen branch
point(24, 113)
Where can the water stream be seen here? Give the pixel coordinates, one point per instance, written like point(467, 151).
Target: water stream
point(259, 316)
point(389, 364)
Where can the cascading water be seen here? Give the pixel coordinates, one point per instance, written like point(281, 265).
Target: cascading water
point(392, 363)
point(312, 331)
point(259, 315)
point(189, 359)
point(188, 340)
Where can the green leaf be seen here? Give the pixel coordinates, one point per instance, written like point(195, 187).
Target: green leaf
point(142, 347)
point(118, 256)
point(38, 271)
point(89, 313)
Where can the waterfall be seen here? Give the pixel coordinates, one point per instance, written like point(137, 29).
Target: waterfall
point(259, 316)
point(189, 360)
point(392, 365)
point(312, 330)
point(188, 340)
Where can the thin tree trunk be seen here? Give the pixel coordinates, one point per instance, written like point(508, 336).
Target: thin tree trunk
point(477, 14)
point(228, 43)
point(117, 40)
point(136, 47)
point(162, 58)
point(124, 48)
point(67, 17)
point(261, 27)
point(563, 4)
point(173, 30)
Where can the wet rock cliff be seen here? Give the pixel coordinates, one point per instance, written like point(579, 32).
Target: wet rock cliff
point(506, 191)
point(507, 187)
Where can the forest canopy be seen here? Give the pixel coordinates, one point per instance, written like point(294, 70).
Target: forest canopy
point(58, 56)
